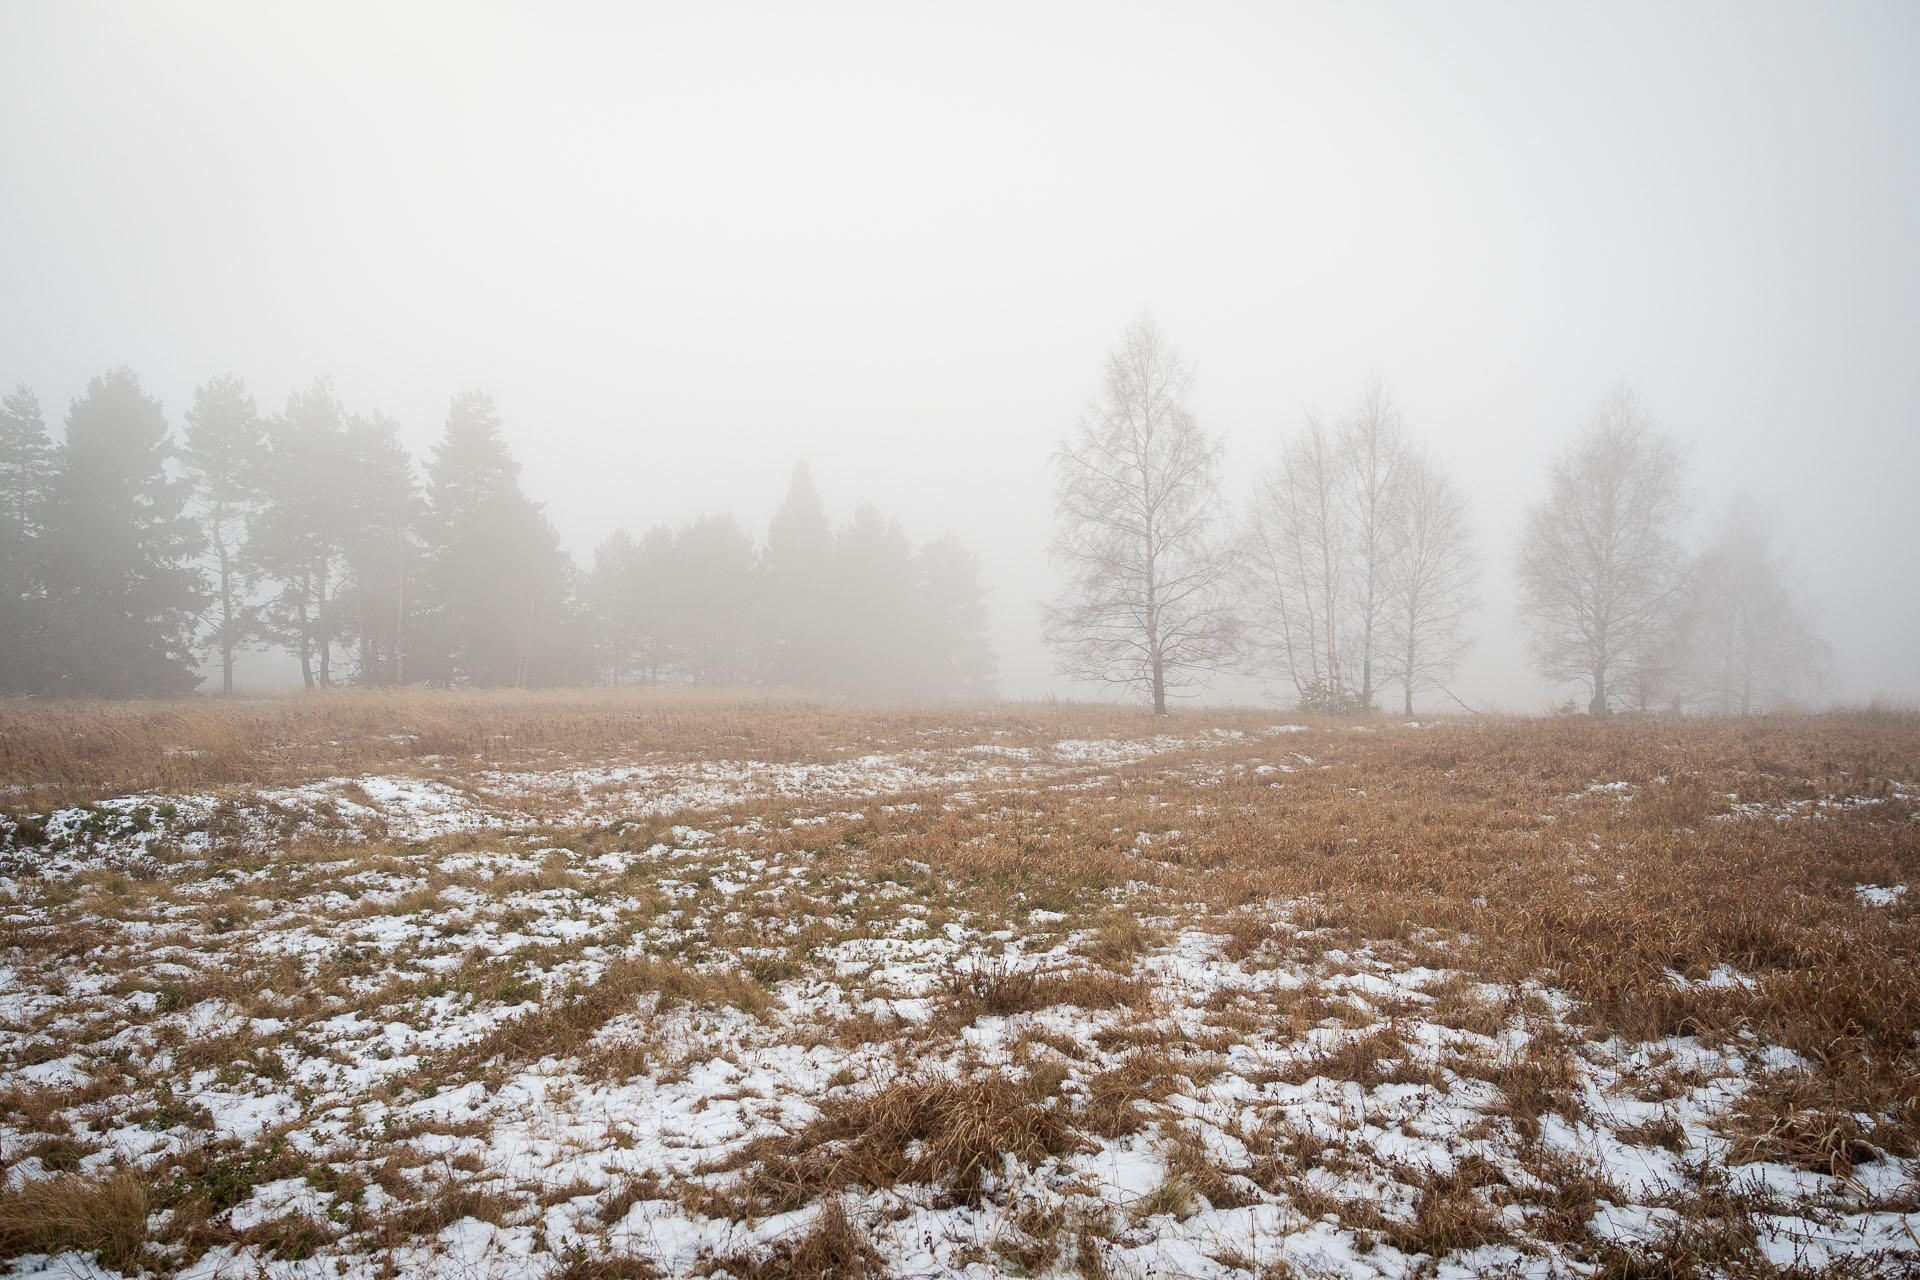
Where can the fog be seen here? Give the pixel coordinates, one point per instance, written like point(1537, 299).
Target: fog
point(684, 248)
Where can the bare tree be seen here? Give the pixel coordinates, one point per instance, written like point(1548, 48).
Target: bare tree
point(1373, 452)
point(1601, 570)
point(1139, 532)
point(1325, 542)
point(1295, 566)
point(1430, 578)
point(1744, 643)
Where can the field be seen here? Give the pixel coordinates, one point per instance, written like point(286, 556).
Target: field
point(624, 985)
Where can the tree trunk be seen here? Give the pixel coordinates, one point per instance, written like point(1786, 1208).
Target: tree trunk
point(326, 639)
point(1598, 706)
point(226, 622)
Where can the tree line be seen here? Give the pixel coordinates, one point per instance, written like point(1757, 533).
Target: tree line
point(127, 557)
point(1350, 571)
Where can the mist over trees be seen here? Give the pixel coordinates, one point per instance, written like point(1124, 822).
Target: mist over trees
point(853, 610)
point(127, 557)
point(1141, 530)
point(1612, 598)
point(120, 591)
point(1358, 564)
point(130, 557)
point(1353, 570)
point(1601, 567)
point(1740, 642)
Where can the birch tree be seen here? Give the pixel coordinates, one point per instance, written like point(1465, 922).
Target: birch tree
point(1373, 453)
point(1295, 568)
point(1600, 566)
point(1745, 643)
point(1358, 566)
point(1139, 531)
point(1430, 578)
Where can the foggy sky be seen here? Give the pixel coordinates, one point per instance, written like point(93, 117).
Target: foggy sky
point(684, 246)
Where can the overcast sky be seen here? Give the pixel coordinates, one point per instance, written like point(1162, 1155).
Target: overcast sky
point(684, 246)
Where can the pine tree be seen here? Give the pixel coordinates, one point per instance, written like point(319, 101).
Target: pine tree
point(655, 571)
point(796, 576)
point(873, 604)
point(26, 464)
point(956, 657)
point(298, 533)
point(223, 452)
point(124, 592)
point(500, 587)
point(713, 600)
point(616, 608)
point(377, 550)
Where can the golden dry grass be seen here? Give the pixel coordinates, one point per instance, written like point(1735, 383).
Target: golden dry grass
point(1583, 892)
point(106, 1216)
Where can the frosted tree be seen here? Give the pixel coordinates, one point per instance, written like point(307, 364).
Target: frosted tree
point(1139, 530)
point(1600, 565)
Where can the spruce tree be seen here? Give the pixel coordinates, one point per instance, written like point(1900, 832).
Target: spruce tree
point(26, 463)
point(872, 602)
point(124, 592)
point(377, 551)
point(713, 600)
point(500, 587)
point(956, 657)
point(796, 587)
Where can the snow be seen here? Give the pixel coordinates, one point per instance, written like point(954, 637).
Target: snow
point(438, 925)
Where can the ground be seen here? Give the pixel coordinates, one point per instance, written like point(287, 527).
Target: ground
point(619, 984)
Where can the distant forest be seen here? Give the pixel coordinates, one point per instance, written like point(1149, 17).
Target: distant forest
point(129, 559)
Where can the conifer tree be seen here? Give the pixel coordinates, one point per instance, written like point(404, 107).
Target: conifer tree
point(796, 575)
point(499, 586)
point(297, 535)
point(712, 600)
point(223, 452)
point(124, 592)
point(377, 553)
point(26, 463)
point(873, 602)
point(956, 656)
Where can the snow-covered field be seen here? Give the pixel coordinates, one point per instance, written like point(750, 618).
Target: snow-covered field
point(1261, 1000)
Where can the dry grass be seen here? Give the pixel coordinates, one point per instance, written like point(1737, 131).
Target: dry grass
point(832, 1249)
point(951, 1134)
point(106, 1216)
point(991, 970)
point(77, 751)
point(991, 987)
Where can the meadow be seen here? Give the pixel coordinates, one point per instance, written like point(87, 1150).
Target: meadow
point(599, 984)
